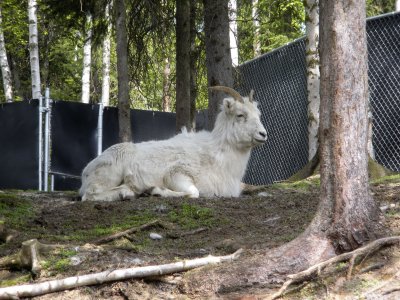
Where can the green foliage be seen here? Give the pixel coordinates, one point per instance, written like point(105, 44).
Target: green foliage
point(151, 36)
point(192, 216)
point(59, 261)
point(16, 280)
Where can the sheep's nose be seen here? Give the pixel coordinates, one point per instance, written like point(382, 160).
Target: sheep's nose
point(263, 134)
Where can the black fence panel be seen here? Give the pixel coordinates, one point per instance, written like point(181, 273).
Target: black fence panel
point(73, 136)
point(19, 145)
point(279, 81)
point(384, 87)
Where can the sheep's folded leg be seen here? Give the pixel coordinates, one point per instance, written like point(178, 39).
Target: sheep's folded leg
point(117, 193)
point(182, 183)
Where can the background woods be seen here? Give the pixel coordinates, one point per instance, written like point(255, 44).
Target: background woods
point(151, 38)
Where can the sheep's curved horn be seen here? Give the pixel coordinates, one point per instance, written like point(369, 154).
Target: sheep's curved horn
point(229, 91)
point(251, 95)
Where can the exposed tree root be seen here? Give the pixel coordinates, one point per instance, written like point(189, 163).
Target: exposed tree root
point(316, 269)
point(31, 290)
point(29, 257)
point(124, 233)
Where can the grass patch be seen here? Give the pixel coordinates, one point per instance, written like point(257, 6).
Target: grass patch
point(117, 226)
point(14, 211)
point(192, 216)
point(387, 179)
point(15, 281)
point(59, 261)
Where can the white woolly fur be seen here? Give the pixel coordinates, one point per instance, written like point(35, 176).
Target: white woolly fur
point(189, 164)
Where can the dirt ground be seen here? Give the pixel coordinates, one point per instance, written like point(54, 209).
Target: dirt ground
point(188, 228)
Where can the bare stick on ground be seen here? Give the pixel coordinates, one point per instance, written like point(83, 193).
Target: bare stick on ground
point(31, 290)
point(124, 233)
point(316, 269)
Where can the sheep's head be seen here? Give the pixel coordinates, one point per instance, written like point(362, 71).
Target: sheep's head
point(239, 119)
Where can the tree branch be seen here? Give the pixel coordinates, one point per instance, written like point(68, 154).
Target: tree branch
point(315, 269)
point(31, 290)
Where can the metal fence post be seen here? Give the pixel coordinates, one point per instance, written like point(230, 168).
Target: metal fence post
point(40, 150)
point(46, 139)
point(100, 130)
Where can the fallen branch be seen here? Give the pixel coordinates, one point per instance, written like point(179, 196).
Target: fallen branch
point(31, 290)
point(124, 233)
point(174, 235)
point(316, 269)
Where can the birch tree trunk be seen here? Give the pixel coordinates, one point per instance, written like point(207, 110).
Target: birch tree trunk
point(183, 65)
point(233, 32)
point(194, 55)
point(105, 86)
point(313, 76)
point(397, 5)
point(34, 49)
point(5, 68)
point(87, 59)
point(218, 54)
point(124, 113)
point(256, 24)
point(166, 98)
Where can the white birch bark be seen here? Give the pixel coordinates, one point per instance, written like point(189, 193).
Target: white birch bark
point(87, 60)
point(34, 49)
point(397, 5)
point(313, 75)
point(105, 87)
point(256, 24)
point(233, 33)
point(5, 68)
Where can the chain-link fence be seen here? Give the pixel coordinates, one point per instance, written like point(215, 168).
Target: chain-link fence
point(279, 81)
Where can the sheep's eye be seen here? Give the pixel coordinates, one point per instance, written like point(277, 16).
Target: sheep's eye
point(240, 116)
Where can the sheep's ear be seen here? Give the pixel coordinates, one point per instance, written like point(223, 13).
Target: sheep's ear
point(228, 105)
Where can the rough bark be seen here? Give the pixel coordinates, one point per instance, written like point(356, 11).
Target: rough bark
point(34, 49)
point(183, 65)
point(124, 117)
point(87, 59)
point(5, 67)
point(346, 202)
point(105, 86)
point(218, 55)
point(313, 76)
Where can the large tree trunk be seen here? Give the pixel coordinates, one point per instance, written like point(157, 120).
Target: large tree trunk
point(124, 117)
point(347, 216)
point(313, 76)
point(34, 49)
point(5, 68)
point(345, 198)
point(218, 54)
point(105, 85)
point(87, 59)
point(183, 64)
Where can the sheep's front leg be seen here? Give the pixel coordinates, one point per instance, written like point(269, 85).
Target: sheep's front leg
point(181, 183)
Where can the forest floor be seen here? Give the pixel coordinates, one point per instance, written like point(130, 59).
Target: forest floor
point(188, 228)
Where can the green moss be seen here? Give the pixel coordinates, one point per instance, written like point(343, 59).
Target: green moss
point(15, 281)
point(13, 210)
point(59, 261)
point(192, 216)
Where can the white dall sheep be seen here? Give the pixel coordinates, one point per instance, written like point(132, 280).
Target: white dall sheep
point(189, 164)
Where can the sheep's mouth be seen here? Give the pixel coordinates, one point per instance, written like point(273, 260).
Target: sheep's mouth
point(259, 141)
